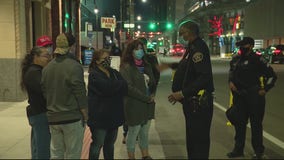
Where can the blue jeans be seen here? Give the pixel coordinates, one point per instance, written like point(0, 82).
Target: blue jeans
point(40, 136)
point(102, 138)
point(142, 131)
point(66, 140)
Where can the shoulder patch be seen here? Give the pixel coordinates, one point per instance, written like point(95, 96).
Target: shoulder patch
point(197, 57)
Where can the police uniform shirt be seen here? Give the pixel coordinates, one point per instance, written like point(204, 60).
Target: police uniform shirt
point(245, 71)
point(194, 72)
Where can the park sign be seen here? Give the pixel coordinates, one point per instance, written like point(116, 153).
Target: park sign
point(108, 22)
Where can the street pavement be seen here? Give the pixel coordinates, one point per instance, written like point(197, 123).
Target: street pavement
point(15, 136)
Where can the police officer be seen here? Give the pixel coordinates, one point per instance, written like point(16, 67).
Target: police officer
point(250, 78)
point(193, 87)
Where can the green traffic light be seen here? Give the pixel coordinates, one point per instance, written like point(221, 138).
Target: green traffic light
point(66, 15)
point(169, 25)
point(152, 26)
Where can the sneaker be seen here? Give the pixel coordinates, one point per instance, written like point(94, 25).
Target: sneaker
point(258, 156)
point(234, 154)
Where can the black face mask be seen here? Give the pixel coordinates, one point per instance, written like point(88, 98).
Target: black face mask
point(244, 50)
point(106, 62)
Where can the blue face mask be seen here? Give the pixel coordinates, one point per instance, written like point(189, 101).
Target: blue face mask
point(138, 54)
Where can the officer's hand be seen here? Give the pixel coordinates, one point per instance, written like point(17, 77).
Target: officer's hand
point(233, 87)
point(171, 99)
point(262, 92)
point(177, 96)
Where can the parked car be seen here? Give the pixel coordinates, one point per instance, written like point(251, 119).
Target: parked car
point(259, 51)
point(177, 50)
point(275, 53)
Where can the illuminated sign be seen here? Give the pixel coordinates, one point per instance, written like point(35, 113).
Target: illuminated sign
point(108, 22)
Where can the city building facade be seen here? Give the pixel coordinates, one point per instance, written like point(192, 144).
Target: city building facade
point(21, 23)
point(224, 22)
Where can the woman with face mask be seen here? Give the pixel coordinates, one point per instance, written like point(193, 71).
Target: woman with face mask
point(139, 103)
point(106, 90)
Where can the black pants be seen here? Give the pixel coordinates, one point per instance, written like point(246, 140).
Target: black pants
point(198, 129)
point(252, 107)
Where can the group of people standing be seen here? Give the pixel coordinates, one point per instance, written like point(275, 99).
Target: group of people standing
point(57, 98)
point(60, 106)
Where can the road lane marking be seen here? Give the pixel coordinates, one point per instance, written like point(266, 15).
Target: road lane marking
point(268, 136)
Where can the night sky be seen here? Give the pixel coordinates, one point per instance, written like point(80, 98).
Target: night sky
point(108, 8)
point(112, 7)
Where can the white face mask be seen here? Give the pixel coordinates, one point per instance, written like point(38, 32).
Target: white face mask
point(50, 50)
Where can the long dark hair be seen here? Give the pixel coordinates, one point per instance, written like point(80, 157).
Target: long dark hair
point(27, 62)
point(96, 56)
point(127, 57)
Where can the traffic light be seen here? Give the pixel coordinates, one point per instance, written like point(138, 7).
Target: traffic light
point(152, 26)
point(169, 26)
point(66, 20)
point(67, 15)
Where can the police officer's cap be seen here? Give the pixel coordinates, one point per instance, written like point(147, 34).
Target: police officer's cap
point(245, 41)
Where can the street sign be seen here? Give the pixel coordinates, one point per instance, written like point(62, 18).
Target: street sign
point(115, 62)
point(88, 29)
point(88, 56)
point(127, 25)
point(108, 22)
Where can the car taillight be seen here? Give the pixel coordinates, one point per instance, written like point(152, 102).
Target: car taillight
point(258, 53)
point(277, 51)
point(239, 52)
point(172, 50)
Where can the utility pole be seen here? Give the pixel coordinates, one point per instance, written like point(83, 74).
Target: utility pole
point(131, 17)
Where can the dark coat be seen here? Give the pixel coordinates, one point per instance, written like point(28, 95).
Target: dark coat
point(153, 61)
point(37, 102)
point(105, 99)
point(137, 109)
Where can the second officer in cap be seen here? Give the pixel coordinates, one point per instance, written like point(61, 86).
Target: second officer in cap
point(250, 78)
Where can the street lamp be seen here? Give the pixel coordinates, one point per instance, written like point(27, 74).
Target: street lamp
point(96, 11)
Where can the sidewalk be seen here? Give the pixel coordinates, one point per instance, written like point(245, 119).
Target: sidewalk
point(15, 136)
